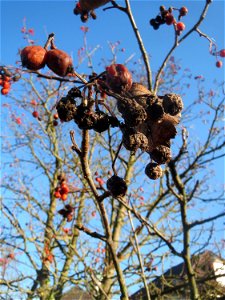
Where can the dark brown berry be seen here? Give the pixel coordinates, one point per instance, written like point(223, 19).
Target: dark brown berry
point(116, 186)
point(66, 109)
point(172, 104)
point(132, 140)
point(104, 121)
point(153, 171)
point(85, 118)
point(132, 113)
point(59, 62)
point(155, 111)
point(161, 154)
point(74, 93)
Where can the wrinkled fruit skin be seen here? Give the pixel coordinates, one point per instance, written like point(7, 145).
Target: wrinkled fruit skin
point(132, 140)
point(153, 171)
point(172, 104)
point(161, 155)
point(66, 109)
point(104, 121)
point(116, 186)
point(118, 78)
point(59, 62)
point(33, 57)
point(85, 118)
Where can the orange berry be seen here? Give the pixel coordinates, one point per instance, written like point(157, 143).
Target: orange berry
point(64, 189)
point(6, 84)
point(57, 194)
point(4, 91)
point(55, 116)
point(180, 26)
point(6, 78)
point(64, 197)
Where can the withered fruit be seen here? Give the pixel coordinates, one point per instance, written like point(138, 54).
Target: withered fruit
point(155, 111)
point(116, 186)
point(118, 78)
point(74, 93)
point(59, 62)
point(139, 93)
point(85, 118)
point(66, 109)
point(33, 57)
point(104, 121)
point(153, 171)
point(132, 140)
point(91, 4)
point(172, 104)
point(132, 113)
point(161, 155)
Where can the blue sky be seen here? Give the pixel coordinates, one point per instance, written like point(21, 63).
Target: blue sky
point(57, 16)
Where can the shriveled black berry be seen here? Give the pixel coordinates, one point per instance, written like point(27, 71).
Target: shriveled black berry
point(161, 154)
point(132, 112)
point(156, 26)
point(172, 104)
point(104, 121)
point(152, 22)
point(116, 186)
point(66, 109)
point(158, 19)
point(74, 93)
point(85, 117)
point(155, 111)
point(132, 140)
point(153, 171)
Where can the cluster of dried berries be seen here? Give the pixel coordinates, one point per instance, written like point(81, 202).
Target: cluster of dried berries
point(166, 16)
point(67, 212)
point(149, 124)
point(36, 57)
point(85, 8)
point(83, 115)
point(6, 79)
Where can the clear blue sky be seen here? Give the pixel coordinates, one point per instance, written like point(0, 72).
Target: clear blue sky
point(57, 16)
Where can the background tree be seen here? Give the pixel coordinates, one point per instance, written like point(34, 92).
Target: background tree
point(63, 224)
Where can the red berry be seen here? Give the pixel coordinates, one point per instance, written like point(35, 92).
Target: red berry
point(18, 121)
point(64, 197)
point(57, 194)
point(33, 57)
point(6, 78)
point(6, 84)
point(183, 11)
point(222, 53)
point(180, 26)
point(4, 91)
point(11, 255)
point(219, 64)
point(1, 82)
point(35, 114)
point(55, 123)
point(33, 102)
point(59, 62)
point(118, 78)
point(55, 116)
point(169, 18)
point(64, 189)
